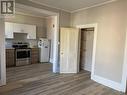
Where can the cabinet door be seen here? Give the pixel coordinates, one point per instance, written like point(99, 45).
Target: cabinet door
point(31, 30)
point(34, 55)
point(10, 57)
point(9, 30)
point(19, 28)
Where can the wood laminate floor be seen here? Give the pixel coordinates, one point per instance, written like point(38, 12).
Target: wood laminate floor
point(38, 79)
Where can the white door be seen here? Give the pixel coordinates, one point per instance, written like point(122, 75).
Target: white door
point(69, 50)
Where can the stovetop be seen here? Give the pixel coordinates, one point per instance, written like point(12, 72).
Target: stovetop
point(20, 45)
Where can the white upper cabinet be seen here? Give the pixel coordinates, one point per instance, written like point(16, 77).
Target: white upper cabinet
point(11, 28)
point(31, 31)
point(19, 28)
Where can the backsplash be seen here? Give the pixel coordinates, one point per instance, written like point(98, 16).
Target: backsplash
point(20, 37)
point(9, 42)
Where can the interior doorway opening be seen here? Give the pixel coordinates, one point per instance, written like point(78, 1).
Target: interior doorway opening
point(55, 67)
point(86, 48)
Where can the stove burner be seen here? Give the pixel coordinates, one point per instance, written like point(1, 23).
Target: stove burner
point(20, 45)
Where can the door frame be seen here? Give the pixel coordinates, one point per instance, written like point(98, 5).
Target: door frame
point(2, 54)
point(55, 68)
point(2, 48)
point(95, 26)
point(86, 45)
point(56, 46)
point(123, 84)
point(124, 74)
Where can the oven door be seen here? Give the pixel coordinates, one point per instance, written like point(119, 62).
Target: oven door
point(23, 54)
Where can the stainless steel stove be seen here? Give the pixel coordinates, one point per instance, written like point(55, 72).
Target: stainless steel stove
point(22, 53)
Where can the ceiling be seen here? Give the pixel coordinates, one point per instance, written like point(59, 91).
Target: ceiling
point(30, 13)
point(71, 5)
point(27, 10)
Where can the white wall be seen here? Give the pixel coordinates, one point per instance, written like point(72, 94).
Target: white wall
point(50, 34)
point(112, 24)
point(53, 35)
point(2, 54)
point(64, 16)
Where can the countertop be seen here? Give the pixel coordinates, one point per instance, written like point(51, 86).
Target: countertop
point(10, 48)
point(30, 47)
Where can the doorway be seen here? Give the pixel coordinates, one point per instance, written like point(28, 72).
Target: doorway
point(55, 47)
point(86, 48)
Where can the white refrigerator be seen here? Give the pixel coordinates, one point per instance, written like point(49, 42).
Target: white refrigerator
point(44, 45)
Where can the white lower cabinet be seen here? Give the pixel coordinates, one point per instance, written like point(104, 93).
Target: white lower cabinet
point(11, 28)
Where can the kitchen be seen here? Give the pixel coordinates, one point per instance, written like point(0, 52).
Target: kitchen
point(24, 36)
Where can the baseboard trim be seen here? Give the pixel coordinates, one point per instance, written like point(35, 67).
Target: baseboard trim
point(87, 69)
point(108, 83)
point(51, 60)
point(0, 83)
point(68, 72)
